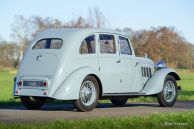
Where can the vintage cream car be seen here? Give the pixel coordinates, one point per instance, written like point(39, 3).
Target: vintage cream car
point(85, 65)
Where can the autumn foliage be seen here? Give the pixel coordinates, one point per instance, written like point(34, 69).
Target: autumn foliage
point(163, 43)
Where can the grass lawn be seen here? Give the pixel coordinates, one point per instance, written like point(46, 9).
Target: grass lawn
point(181, 120)
point(6, 85)
point(187, 83)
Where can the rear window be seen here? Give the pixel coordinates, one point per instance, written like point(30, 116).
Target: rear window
point(49, 43)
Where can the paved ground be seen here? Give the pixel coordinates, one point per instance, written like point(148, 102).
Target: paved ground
point(53, 112)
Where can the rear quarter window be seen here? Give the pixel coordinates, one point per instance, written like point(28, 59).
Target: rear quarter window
point(88, 45)
point(49, 43)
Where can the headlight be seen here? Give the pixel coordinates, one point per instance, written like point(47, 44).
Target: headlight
point(160, 64)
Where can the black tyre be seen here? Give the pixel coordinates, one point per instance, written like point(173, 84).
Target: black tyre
point(32, 102)
point(167, 97)
point(119, 101)
point(88, 95)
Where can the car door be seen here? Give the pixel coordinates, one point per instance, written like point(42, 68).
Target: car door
point(109, 63)
point(129, 67)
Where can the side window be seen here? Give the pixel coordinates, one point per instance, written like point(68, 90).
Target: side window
point(125, 46)
point(107, 44)
point(88, 45)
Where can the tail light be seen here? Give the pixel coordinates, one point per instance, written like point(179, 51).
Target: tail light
point(16, 92)
point(44, 84)
point(19, 83)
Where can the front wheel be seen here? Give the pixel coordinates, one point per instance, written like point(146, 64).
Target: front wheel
point(88, 94)
point(167, 97)
point(32, 102)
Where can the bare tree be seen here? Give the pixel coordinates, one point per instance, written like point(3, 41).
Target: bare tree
point(1, 39)
point(21, 32)
point(99, 18)
point(8, 54)
point(90, 19)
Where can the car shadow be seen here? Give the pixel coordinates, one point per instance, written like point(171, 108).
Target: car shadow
point(132, 104)
point(70, 107)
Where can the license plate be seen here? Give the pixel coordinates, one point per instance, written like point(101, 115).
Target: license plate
point(33, 83)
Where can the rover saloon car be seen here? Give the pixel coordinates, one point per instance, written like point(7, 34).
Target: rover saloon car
point(84, 65)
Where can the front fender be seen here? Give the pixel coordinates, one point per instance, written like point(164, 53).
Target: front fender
point(155, 84)
point(69, 88)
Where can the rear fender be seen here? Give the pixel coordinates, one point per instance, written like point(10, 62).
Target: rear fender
point(155, 84)
point(70, 87)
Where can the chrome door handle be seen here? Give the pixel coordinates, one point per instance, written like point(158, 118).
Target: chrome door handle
point(118, 61)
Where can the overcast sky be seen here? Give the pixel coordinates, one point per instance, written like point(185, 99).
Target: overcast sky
point(136, 14)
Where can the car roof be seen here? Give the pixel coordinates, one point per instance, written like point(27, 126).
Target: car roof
point(79, 31)
point(71, 36)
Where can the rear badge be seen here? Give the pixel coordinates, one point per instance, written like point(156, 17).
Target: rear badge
point(37, 58)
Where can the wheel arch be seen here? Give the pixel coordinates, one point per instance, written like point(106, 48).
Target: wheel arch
point(175, 75)
point(99, 83)
point(155, 83)
point(70, 87)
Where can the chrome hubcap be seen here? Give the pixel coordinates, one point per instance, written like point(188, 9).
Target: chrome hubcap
point(87, 93)
point(169, 91)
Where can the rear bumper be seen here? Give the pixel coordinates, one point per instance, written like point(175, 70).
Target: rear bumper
point(31, 91)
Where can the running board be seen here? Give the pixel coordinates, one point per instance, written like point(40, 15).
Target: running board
point(123, 94)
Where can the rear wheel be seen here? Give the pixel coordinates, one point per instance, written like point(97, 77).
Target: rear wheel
point(119, 101)
point(32, 102)
point(88, 95)
point(167, 97)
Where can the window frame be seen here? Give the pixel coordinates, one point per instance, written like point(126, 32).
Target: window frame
point(129, 45)
point(114, 43)
point(87, 46)
point(33, 47)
